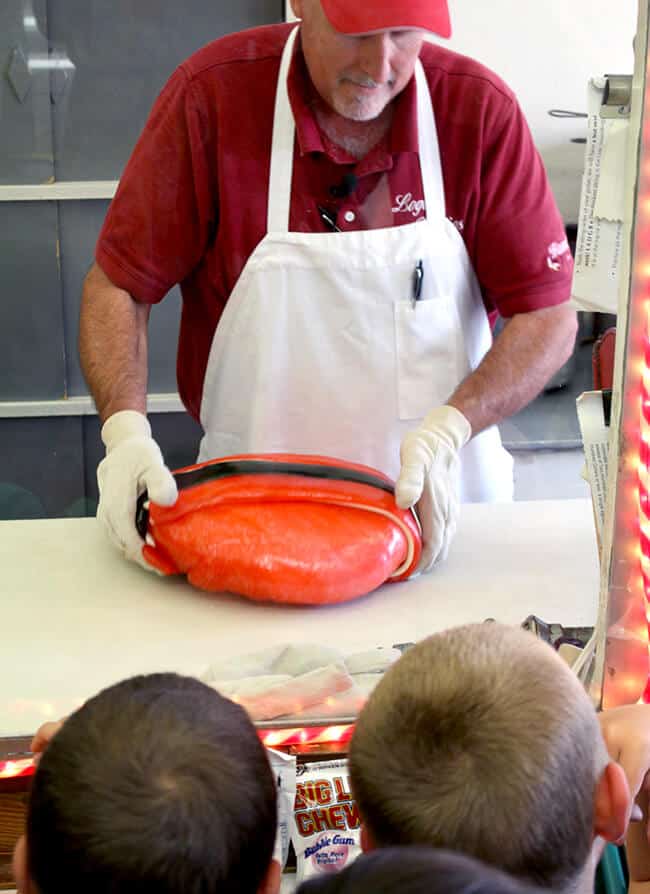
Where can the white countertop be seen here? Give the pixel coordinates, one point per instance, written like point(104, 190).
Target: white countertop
point(75, 617)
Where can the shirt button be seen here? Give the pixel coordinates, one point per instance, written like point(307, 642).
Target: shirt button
point(350, 216)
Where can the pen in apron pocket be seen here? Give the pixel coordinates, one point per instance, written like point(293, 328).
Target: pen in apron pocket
point(328, 219)
point(418, 279)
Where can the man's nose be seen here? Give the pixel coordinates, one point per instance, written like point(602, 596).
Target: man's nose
point(375, 57)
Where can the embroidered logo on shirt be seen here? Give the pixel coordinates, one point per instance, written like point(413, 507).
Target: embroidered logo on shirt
point(406, 204)
point(555, 252)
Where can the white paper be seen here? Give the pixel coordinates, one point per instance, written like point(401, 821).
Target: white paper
point(602, 202)
point(372, 661)
point(300, 658)
point(297, 694)
point(595, 439)
point(610, 197)
point(301, 680)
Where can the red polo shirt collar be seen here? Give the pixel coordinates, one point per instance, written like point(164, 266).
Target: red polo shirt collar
point(402, 137)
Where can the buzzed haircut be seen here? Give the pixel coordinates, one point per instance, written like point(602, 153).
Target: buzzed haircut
point(480, 739)
point(158, 784)
point(416, 870)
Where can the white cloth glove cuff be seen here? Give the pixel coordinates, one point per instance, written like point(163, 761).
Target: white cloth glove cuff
point(429, 477)
point(133, 463)
point(124, 425)
point(450, 423)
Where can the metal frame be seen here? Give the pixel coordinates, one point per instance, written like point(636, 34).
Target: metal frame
point(620, 668)
point(81, 406)
point(59, 191)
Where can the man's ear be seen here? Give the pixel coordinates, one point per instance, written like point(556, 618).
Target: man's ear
point(19, 866)
point(612, 804)
point(271, 881)
point(367, 841)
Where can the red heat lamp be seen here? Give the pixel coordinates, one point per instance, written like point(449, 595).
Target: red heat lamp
point(272, 735)
point(335, 736)
point(15, 769)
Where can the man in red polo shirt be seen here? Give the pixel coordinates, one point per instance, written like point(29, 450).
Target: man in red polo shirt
point(344, 207)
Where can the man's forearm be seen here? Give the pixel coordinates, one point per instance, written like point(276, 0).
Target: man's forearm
point(113, 345)
point(524, 356)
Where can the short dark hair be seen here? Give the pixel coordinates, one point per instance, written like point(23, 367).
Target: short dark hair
point(481, 739)
point(157, 784)
point(416, 870)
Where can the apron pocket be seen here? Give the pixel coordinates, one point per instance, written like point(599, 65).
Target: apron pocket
point(426, 354)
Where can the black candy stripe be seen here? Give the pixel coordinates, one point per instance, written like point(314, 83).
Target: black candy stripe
point(232, 468)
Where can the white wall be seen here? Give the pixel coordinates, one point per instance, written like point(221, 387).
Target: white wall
point(546, 51)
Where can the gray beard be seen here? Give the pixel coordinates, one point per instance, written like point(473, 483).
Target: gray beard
point(357, 138)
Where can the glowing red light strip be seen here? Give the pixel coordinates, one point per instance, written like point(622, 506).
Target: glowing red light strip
point(14, 769)
point(272, 738)
point(644, 481)
point(279, 738)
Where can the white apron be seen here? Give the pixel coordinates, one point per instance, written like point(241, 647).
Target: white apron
point(319, 348)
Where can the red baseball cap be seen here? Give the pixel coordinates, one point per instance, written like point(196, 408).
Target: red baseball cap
point(363, 16)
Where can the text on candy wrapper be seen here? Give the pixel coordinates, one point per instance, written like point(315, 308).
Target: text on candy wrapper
point(328, 842)
point(321, 805)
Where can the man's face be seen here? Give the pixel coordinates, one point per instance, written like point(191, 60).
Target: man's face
point(356, 76)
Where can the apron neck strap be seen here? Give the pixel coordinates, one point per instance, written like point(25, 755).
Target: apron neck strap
point(284, 134)
point(429, 149)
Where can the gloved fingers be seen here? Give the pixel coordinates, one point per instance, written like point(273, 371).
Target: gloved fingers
point(117, 512)
point(408, 487)
point(432, 554)
point(432, 519)
point(412, 473)
point(105, 518)
point(416, 456)
point(126, 471)
point(139, 559)
point(132, 543)
point(121, 527)
point(160, 485)
point(438, 548)
point(126, 539)
point(429, 477)
point(441, 509)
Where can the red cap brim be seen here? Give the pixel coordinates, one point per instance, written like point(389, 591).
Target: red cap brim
point(363, 17)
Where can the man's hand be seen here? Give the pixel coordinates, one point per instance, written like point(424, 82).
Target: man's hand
point(626, 731)
point(132, 464)
point(429, 477)
point(44, 736)
point(40, 742)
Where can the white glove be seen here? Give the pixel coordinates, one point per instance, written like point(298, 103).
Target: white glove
point(429, 477)
point(133, 463)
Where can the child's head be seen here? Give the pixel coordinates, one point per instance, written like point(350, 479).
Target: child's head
point(416, 870)
point(157, 784)
point(480, 739)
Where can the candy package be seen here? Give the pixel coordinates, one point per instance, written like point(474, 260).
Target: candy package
point(326, 828)
point(284, 772)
